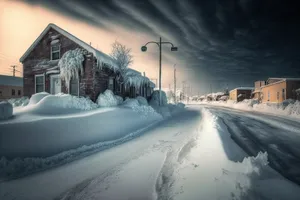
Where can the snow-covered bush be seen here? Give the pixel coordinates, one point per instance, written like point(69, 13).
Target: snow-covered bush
point(37, 97)
point(70, 65)
point(140, 107)
point(131, 103)
point(23, 101)
point(108, 99)
point(6, 110)
point(155, 98)
point(66, 101)
point(142, 101)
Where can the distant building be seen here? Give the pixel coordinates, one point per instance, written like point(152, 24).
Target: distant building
point(241, 93)
point(257, 90)
point(277, 90)
point(10, 87)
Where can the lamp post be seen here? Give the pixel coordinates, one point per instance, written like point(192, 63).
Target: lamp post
point(159, 44)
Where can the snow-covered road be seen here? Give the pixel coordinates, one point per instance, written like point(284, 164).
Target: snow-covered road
point(189, 156)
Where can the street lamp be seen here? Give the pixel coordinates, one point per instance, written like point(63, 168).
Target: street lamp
point(159, 44)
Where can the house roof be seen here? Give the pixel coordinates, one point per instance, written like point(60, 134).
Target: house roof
point(11, 81)
point(284, 79)
point(98, 54)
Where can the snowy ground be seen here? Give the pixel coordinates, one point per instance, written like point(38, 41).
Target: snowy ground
point(189, 156)
point(56, 129)
point(289, 108)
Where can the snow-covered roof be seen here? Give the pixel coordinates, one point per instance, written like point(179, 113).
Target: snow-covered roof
point(102, 57)
point(135, 78)
point(284, 79)
point(243, 88)
point(11, 81)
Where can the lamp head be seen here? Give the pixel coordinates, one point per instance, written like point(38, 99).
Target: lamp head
point(174, 48)
point(144, 48)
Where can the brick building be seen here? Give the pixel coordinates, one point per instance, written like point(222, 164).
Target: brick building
point(100, 72)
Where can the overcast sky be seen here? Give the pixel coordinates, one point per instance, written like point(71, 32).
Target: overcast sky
point(234, 42)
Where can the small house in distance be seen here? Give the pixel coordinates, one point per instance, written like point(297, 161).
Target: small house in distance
point(45, 68)
point(240, 93)
point(10, 87)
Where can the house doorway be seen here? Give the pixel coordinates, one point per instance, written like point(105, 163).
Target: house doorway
point(55, 84)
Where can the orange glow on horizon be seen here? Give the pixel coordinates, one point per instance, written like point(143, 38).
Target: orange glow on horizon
point(21, 24)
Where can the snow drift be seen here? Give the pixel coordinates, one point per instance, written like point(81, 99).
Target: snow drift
point(287, 108)
point(108, 99)
point(37, 97)
point(166, 110)
point(23, 101)
point(44, 103)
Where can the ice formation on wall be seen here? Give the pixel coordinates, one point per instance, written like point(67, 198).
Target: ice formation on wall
point(70, 65)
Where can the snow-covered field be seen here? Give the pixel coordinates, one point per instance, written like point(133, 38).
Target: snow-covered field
point(188, 156)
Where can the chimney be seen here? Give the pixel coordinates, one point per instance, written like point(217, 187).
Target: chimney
point(144, 74)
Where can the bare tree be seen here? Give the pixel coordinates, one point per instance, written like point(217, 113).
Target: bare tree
point(122, 55)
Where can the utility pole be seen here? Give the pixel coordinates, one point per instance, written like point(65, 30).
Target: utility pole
point(14, 69)
point(183, 89)
point(160, 71)
point(175, 97)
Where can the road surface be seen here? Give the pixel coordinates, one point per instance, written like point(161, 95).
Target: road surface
point(189, 156)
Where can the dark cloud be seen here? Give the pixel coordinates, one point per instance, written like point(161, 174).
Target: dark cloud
point(221, 41)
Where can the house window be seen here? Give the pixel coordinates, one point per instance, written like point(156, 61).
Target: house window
point(283, 94)
point(13, 92)
point(111, 83)
point(19, 92)
point(0, 93)
point(39, 83)
point(268, 95)
point(55, 52)
point(277, 95)
point(74, 87)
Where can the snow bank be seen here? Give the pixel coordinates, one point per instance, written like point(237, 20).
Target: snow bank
point(47, 104)
point(23, 101)
point(142, 101)
point(65, 101)
point(154, 101)
point(6, 110)
point(141, 107)
point(70, 65)
point(37, 97)
point(108, 99)
point(75, 136)
point(287, 108)
point(18, 167)
point(241, 179)
point(166, 110)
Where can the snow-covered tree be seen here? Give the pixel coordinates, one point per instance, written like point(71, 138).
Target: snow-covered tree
point(70, 65)
point(122, 55)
